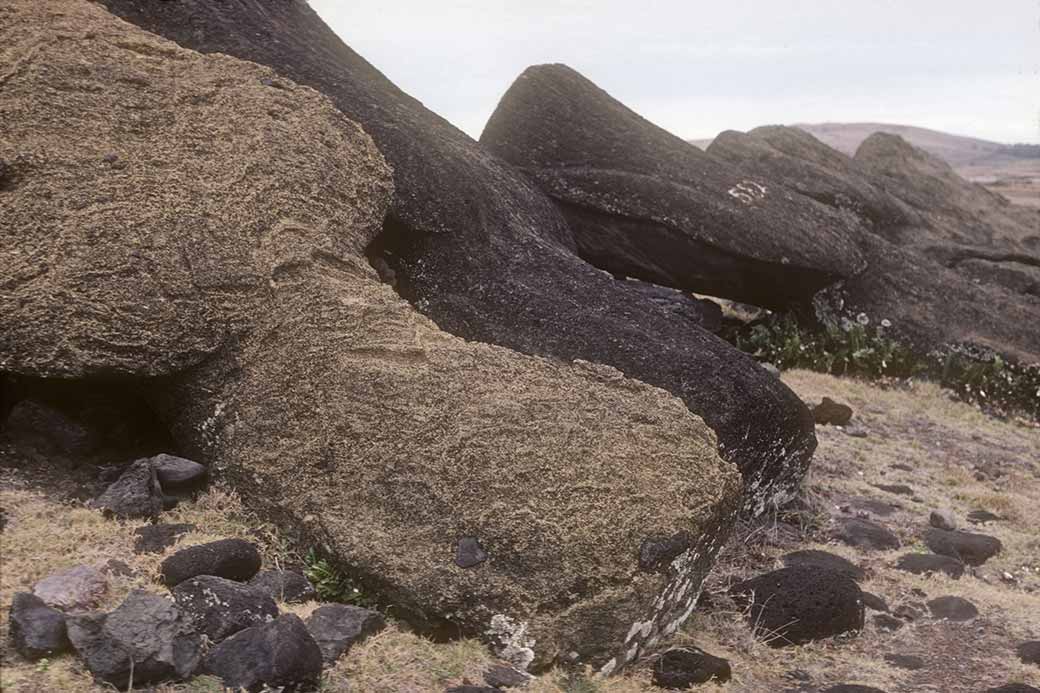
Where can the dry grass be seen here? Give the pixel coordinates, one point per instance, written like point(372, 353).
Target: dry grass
point(941, 440)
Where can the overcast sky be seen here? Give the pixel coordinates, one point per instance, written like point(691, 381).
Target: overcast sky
point(697, 67)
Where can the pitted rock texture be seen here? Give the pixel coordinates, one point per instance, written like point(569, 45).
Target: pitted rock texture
point(338, 627)
point(220, 608)
point(478, 248)
point(280, 655)
point(800, 604)
point(36, 629)
point(924, 563)
point(823, 559)
point(232, 559)
point(338, 394)
point(644, 203)
point(284, 586)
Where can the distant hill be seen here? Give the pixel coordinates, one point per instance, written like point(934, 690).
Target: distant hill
point(975, 159)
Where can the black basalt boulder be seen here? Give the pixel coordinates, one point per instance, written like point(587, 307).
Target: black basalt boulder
point(220, 608)
point(973, 549)
point(279, 655)
point(801, 604)
point(683, 667)
point(233, 559)
point(36, 629)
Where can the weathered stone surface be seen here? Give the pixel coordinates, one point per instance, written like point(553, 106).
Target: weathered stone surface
point(952, 608)
point(973, 549)
point(178, 475)
point(683, 667)
point(823, 559)
point(865, 534)
point(505, 676)
point(797, 605)
point(340, 396)
point(220, 608)
point(829, 412)
point(478, 248)
point(49, 429)
point(338, 627)
point(36, 629)
point(135, 494)
point(232, 559)
point(1029, 652)
point(156, 538)
point(280, 655)
point(923, 563)
point(79, 588)
point(943, 518)
point(643, 203)
point(146, 635)
point(284, 586)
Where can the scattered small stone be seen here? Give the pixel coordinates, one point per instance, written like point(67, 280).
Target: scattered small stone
point(800, 604)
point(36, 629)
point(798, 675)
point(872, 601)
point(943, 519)
point(925, 563)
point(824, 559)
point(506, 676)
point(156, 538)
point(135, 494)
point(911, 662)
point(902, 467)
point(469, 553)
point(898, 489)
point(982, 516)
point(146, 637)
point(114, 566)
point(973, 549)
point(1014, 688)
point(467, 688)
point(220, 608)
point(284, 586)
point(178, 475)
point(989, 471)
point(281, 654)
point(855, 431)
point(829, 412)
point(865, 534)
point(953, 608)
point(887, 623)
point(870, 506)
point(77, 589)
point(233, 559)
point(1029, 652)
point(683, 667)
point(338, 627)
point(910, 611)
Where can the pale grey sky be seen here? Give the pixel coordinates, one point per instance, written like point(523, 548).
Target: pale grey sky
point(697, 67)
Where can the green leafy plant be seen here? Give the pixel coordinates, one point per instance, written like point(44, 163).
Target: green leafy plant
point(330, 583)
point(855, 347)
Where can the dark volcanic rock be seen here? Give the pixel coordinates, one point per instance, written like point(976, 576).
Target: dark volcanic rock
point(49, 429)
point(865, 534)
point(505, 676)
point(922, 563)
point(979, 517)
point(155, 538)
point(823, 559)
point(233, 559)
point(852, 688)
point(1029, 652)
point(146, 637)
point(973, 549)
point(887, 623)
point(943, 519)
point(911, 662)
point(796, 605)
point(284, 586)
point(1014, 688)
point(952, 608)
point(79, 588)
point(487, 255)
point(469, 553)
point(36, 629)
point(683, 667)
point(831, 413)
point(872, 601)
point(643, 203)
point(898, 489)
point(135, 494)
point(338, 627)
point(280, 655)
point(220, 608)
point(178, 475)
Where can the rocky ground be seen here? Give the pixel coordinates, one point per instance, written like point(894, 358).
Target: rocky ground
point(929, 451)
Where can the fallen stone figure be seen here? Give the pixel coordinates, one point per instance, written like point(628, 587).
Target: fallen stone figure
point(483, 252)
point(205, 219)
